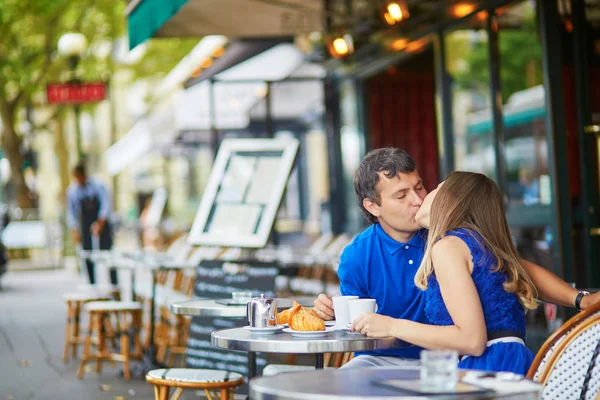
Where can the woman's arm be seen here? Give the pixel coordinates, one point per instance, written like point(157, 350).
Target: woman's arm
point(468, 335)
point(552, 289)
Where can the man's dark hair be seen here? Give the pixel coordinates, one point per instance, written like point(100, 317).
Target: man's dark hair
point(389, 160)
point(80, 169)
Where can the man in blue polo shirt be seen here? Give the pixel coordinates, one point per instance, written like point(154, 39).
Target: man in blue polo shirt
point(381, 262)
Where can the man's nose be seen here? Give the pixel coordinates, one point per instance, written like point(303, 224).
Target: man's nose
point(416, 199)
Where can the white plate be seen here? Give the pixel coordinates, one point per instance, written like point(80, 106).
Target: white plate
point(309, 333)
point(327, 324)
point(265, 331)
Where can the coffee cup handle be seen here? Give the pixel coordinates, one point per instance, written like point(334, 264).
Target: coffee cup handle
point(376, 307)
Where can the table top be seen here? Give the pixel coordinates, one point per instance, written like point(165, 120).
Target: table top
point(356, 383)
point(211, 308)
point(126, 259)
point(337, 341)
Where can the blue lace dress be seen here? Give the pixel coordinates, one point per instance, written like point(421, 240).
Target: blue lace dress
point(502, 311)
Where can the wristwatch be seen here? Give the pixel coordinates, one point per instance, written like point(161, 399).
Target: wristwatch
point(578, 299)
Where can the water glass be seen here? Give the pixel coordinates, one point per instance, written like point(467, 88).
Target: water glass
point(439, 368)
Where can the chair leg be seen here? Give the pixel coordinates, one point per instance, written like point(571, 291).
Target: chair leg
point(208, 394)
point(224, 394)
point(137, 327)
point(68, 332)
point(75, 332)
point(101, 350)
point(125, 345)
point(164, 393)
point(177, 394)
point(86, 348)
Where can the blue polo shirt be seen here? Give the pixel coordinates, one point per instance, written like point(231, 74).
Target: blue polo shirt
point(376, 266)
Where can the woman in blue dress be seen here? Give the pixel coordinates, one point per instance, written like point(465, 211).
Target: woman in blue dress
point(477, 292)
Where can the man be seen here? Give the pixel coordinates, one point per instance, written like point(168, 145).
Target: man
point(88, 209)
point(381, 262)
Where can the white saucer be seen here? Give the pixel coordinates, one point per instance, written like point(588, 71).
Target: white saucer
point(265, 331)
point(347, 330)
point(309, 333)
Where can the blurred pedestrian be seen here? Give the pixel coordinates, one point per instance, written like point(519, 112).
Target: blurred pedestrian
point(88, 210)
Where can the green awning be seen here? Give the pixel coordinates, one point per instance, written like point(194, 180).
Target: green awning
point(148, 17)
point(509, 120)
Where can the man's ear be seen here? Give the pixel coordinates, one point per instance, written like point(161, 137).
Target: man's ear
point(371, 207)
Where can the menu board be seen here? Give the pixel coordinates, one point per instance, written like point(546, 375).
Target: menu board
point(217, 280)
point(244, 191)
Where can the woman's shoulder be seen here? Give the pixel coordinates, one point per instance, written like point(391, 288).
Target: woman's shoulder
point(471, 237)
point(450, 245)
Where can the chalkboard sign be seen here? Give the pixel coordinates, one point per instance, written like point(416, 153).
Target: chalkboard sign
point(217, 280)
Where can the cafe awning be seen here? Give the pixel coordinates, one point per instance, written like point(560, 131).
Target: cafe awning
point(232, 18)
point(147, 134)
point(241, 87)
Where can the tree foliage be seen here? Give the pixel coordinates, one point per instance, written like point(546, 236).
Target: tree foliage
point(520, 58)
point(29, 59)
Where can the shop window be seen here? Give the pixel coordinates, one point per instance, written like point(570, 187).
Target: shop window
point(467, 65)
point(524, 111)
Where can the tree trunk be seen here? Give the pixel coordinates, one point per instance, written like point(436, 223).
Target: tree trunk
point(62, 153)
point(11, 144)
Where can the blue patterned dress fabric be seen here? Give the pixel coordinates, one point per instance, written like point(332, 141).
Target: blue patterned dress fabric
point(502, 311)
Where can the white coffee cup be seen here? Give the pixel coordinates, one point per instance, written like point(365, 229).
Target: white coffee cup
point(341, 309)
point(360, 306)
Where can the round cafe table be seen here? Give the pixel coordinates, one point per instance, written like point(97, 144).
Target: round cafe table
point(220, 308)
point(358, 383)
point(337, 341)
point(217, 308)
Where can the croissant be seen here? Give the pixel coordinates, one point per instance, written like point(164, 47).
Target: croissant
point(303, 319)
point(285, 316)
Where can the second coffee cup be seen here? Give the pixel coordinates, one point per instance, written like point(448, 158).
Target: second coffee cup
point(360, 306)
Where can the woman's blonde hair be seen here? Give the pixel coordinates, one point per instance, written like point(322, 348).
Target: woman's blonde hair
point(473, 201)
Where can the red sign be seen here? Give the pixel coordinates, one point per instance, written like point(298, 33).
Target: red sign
point(75, 93)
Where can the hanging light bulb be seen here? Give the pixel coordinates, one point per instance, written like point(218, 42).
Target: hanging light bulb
point(395, 11)
point(460, 10)
point(341, 46)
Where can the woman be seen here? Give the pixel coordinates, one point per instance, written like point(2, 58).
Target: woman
point(477, 292)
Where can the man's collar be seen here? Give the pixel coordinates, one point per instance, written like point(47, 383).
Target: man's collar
point(392, 246)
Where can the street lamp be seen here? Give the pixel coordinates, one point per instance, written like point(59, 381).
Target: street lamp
point(73, 45)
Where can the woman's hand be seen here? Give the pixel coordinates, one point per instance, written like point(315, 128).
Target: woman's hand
point(374, 325)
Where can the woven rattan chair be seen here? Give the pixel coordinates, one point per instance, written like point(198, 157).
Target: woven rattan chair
point(216, 384)
point(556, 338)
point(568, 365)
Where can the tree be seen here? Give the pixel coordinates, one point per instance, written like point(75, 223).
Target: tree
point(30, 30)
point(520, 59)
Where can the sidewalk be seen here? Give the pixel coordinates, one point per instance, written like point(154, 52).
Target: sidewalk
point(32, 328)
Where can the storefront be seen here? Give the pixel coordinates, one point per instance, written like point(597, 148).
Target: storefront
point(505, 88)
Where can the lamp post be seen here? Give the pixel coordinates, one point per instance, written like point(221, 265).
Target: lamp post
point(72, 46)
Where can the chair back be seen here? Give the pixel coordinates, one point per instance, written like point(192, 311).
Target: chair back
point(572, 369)
point(539, 363)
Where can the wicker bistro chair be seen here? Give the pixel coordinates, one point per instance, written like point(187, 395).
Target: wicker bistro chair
point(216, 384)
point(569, 366)
point(128, 320)
point(551, 344)
point(75, 302)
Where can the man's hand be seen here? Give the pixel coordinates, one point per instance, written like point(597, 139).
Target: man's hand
point(324, 307)
point(97, 227)
point(374, 325)
point(76, 236)
point(589, 300)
